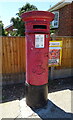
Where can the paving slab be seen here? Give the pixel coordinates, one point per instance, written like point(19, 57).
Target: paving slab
point(62, 99)
point(9, 109)
point(72, 101)
point(26, 111)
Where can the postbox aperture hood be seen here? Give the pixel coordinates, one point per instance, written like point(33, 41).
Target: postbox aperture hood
point(37, 15)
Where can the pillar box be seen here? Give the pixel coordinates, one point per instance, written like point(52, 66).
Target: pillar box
point(37, 35)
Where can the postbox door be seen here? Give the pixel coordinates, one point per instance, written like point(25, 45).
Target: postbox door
point(37, 53)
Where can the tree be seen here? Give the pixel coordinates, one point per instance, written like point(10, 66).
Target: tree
point(26, 8)
point(2, 31)
point(18, 23)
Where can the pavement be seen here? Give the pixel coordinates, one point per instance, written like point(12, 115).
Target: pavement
point(59, 106)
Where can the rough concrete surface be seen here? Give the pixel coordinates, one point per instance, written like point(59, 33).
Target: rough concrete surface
point(59, 103)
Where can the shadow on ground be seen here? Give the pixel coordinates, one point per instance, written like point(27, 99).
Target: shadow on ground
point(52, 112)
point(17, 91)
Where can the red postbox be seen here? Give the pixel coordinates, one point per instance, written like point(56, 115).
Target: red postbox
point(37, 34)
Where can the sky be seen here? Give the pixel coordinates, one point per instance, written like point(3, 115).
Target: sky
point(9, 8)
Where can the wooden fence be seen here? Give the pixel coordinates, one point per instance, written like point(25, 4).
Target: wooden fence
point(13, 55)
point(67, 52)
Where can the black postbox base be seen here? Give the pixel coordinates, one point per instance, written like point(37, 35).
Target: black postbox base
point(36, 96)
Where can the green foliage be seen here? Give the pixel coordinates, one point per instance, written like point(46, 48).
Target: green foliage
point(26, 8)
point(18, 23)
point(2, 31)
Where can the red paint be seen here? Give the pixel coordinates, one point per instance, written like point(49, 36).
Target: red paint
point(37, 58)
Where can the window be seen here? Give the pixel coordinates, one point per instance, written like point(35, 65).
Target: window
point(55, 22)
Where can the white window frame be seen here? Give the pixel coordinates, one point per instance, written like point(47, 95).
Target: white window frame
point(54, 21)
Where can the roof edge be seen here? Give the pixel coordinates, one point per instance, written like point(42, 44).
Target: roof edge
point(59, 5)
point(9, 26)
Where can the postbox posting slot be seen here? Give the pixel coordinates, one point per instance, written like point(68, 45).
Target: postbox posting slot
point(39, 27)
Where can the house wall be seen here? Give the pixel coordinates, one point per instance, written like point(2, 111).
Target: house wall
point(65, 21)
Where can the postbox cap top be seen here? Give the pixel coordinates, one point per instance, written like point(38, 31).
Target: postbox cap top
point(37, 14)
